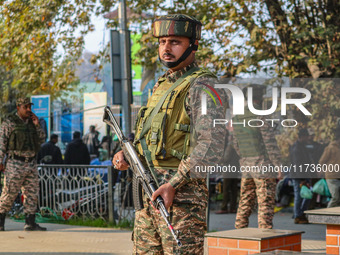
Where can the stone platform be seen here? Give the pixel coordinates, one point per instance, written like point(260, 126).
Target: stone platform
point(278, 252)
point(330, 217)
point(253, 240)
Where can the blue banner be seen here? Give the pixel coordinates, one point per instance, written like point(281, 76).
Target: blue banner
point(41, 108)
point(70, 123)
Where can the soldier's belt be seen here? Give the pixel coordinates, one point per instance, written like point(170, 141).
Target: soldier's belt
point(24, 159)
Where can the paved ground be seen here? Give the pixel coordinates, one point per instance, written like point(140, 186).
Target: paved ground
point(65, 239)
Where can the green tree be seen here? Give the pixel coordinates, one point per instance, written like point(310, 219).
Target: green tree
point(41, 42)
point(291, 38)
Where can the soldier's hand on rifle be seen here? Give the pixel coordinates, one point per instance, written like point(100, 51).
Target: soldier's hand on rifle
point(119, 162)
point(167, 192)
point(2, 168)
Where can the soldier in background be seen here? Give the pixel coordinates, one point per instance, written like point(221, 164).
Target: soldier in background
point(20, 140)
point(229, 188)
point(166, 144)
point(256, 147)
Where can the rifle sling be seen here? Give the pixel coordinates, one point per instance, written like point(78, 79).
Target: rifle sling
point(147, 155)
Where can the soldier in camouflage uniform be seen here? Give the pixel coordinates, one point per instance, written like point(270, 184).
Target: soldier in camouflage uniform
point(166, 143)
point(20, 140)
point(256, 147)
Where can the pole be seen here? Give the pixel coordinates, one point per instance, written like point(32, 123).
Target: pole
point(125, 74)
point(110, 194)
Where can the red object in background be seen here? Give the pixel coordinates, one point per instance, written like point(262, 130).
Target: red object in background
point(67, 214)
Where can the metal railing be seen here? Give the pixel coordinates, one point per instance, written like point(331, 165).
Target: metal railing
point(86, 191)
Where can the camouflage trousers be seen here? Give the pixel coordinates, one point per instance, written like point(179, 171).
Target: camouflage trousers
point(152, 236)
point(19, 174)
point(264, 189)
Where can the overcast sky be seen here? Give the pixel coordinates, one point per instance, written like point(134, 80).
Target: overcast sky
point(97, 39)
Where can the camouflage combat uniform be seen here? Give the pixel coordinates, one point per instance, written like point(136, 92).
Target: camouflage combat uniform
point(21, 169)
point(257, 185)
point(168, 148)
point(188, 212)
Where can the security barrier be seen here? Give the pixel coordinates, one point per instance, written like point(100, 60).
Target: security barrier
point(86, 191)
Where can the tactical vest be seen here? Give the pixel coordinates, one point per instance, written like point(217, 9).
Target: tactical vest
point(249, 139)
point(168, 139)
point(24, 137)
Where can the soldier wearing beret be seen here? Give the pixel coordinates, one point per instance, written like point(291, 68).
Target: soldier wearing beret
point(20, 140)
point(165, 146)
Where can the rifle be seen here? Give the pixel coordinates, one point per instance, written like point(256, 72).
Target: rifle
point(141, 173)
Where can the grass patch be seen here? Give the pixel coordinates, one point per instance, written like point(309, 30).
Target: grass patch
point(216, 197)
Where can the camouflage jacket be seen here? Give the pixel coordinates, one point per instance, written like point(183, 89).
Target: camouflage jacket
point(272, 154)
point(5, 131)
point(208, 148)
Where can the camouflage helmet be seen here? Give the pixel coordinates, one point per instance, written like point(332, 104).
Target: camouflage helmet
point(177, 24)
point(23, 100)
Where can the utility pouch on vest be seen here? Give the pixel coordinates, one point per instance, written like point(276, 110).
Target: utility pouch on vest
point(155, 137)
point(19, 140)
point(183, 128)
point(12, 142)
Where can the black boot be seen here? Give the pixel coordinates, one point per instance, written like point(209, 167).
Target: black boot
point(31, 225)
point(2, 221)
